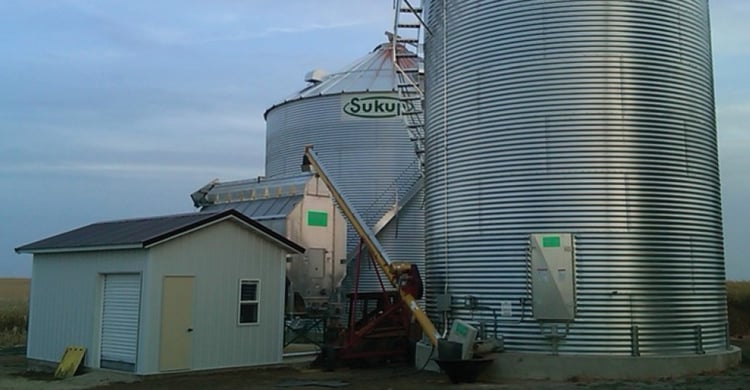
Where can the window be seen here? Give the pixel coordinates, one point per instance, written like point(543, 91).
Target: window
point(249, 297)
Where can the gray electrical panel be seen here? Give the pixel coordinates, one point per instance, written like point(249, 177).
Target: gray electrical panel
point(553, 276)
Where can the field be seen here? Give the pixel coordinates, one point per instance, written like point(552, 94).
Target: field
point(738, 305)
point(14, 298)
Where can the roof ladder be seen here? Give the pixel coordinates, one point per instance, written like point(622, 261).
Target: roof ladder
point(407, 64)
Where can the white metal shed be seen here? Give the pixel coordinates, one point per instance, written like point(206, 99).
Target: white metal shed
point(171, 293)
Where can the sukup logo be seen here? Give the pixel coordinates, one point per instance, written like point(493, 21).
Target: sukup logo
point(373, 106)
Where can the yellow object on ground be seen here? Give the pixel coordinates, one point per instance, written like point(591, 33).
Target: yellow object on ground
point(69, 362)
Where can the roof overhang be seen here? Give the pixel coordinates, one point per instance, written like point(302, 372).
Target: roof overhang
point(230, 214)
point(79, 249)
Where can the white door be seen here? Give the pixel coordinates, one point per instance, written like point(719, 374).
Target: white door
point(122, 297)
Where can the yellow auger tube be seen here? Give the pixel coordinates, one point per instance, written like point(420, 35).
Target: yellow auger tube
point(373, 245)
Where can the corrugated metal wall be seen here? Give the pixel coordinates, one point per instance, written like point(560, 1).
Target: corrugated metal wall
point(372, 160)
point(219, 256)
point(589, 117)
point(66, 300)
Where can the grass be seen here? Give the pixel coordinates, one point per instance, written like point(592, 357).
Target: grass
point(738, 305)
point(14, 297)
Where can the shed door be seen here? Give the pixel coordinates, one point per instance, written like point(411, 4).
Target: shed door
point(176, 323)
point(122, 297)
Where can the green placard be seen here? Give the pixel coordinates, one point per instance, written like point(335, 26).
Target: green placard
point(317, 218)
point(551, 242)
point(460, 329)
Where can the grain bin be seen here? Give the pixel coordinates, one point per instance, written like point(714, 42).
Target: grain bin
point(352, 118)
point(572, 182)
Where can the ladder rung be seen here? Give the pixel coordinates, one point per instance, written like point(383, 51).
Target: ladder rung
point(409, 10)
point(407, 40)
point(406, 54)
point(409, 25)
point(416, 97)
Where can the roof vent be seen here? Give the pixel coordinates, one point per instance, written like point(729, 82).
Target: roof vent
point(315, 76)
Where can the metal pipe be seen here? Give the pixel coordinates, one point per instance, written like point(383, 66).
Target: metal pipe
point(728, 339)
point(297, 354)
point(634, 342)
point(699, 340)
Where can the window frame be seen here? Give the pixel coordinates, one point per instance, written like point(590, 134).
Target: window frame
point(240, 302)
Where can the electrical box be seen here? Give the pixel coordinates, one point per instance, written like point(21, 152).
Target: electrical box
point(465, 334)
point(443, 302)
point(553, 276)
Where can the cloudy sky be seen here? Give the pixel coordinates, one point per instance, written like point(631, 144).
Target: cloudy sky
point(114, 109)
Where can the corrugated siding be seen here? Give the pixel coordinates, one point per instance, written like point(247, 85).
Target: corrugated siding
point(589, 117)
point(120, 314)
point(66, 300)
point(219, 256)
point(372, 160)
point(407, 227)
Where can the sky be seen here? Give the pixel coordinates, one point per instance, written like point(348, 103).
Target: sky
point(114, 109)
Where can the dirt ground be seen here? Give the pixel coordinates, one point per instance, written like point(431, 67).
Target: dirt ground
point(298, 376)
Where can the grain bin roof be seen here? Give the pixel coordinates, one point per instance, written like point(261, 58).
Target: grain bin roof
point(216, 192)
point(371, 73)
point(259, 209)
point(144, 233)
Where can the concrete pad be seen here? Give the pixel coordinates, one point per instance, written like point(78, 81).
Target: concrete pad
point(539, 366)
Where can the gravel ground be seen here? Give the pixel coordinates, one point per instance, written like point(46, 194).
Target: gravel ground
point(396, 378)
point(12, 376)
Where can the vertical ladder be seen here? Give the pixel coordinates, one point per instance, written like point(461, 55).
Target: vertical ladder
point(407, 43)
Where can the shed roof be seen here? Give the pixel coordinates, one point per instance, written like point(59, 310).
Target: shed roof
point(144, 233)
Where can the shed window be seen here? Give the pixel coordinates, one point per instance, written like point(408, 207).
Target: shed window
point(249, 301)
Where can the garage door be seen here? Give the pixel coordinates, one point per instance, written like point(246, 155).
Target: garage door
point(122, 296)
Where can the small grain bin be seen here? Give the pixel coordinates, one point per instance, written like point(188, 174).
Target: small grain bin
point(352, 118)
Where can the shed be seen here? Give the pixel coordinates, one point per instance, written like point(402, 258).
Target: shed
point(170, 293)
